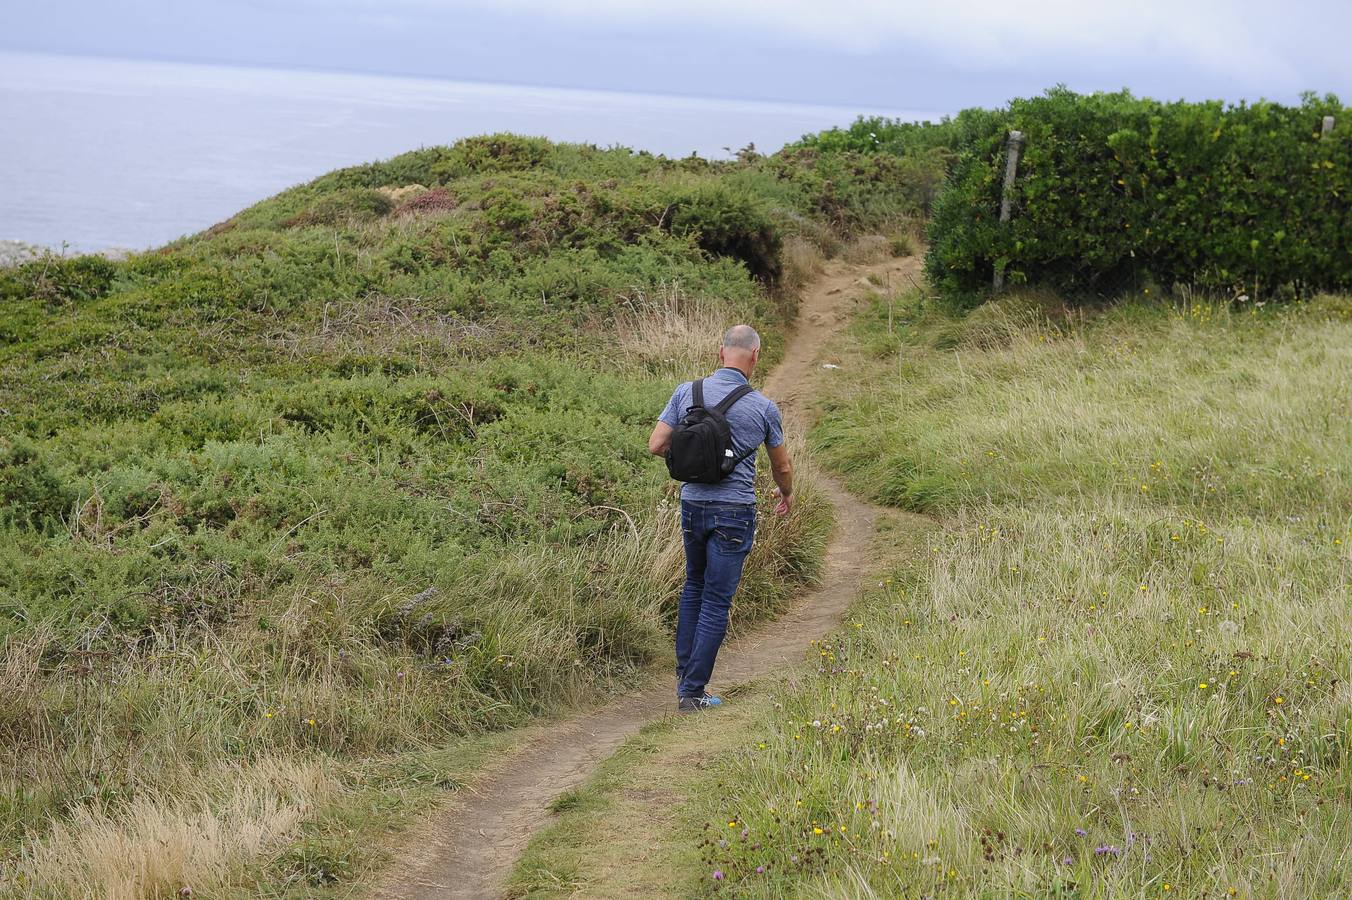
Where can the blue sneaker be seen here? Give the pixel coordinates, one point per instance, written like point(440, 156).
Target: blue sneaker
point(695, 704)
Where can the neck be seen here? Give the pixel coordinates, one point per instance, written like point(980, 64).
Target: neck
point(744, 371)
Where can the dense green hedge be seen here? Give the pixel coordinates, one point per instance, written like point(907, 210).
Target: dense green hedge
point(1116, 192)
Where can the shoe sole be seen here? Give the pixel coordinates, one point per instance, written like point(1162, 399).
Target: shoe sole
point(695, 709)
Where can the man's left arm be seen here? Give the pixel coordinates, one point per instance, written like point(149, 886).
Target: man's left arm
point(781, 467)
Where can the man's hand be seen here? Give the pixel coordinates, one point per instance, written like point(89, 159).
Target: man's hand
point(785, 502)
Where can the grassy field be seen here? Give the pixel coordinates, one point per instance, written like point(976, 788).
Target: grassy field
point(1116, 665)
point(294, 510)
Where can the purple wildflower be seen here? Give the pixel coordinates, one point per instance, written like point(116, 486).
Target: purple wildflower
point(1107, 850)
point(1067, 861)
point(1080, 832)
point(760, 870)
point(718, 874)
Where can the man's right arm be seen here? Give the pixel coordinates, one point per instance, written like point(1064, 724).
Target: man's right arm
point(660, 439)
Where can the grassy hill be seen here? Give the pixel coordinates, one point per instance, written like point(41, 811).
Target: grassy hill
point(290, 506)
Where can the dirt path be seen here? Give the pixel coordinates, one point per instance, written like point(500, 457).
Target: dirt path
point(469, 849)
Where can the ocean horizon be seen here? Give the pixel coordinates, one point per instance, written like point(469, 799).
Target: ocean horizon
point(101, 153)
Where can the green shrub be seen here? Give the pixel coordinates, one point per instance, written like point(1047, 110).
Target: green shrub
point(732, 223)
point(58, 280)
point(878, 134)
point(492, 153)
point(346, 205)
point(856, 191)
point(31, 493)
point(1116, 192)
point(413, 167)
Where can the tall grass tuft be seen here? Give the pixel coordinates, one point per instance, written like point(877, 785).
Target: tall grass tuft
point(200, 837)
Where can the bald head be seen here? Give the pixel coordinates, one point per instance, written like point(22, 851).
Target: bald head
point(741, 348)
point(742, 337)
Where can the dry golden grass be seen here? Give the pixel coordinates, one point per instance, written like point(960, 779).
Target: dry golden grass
point(867, 249)
point(160, 844)
point(402, 192)
point(669, 331)
point(803, 261)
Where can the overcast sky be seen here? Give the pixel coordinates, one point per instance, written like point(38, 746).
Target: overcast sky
point(919, 54)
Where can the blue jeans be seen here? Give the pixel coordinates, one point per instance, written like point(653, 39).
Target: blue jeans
point(717, 537)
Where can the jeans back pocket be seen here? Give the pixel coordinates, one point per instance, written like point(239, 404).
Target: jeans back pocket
point(735, 529)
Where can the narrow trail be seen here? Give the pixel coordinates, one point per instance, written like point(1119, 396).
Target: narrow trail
point(468, 849)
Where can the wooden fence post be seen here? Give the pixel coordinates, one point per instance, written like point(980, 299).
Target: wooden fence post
point(1012, 151)
point(1328, 126)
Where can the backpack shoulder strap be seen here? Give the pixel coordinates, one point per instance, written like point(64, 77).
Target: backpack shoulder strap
point(736, 394)
point(697, 392)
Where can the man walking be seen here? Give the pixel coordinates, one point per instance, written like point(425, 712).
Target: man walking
point(718, 504)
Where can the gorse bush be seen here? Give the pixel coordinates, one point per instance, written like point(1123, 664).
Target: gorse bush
point(878, 134)
point(1115, 192)
point(58, 280)
point(31, 493)
point(349, 204)
point(857, 191)
point(492, 153)
point(730, 223)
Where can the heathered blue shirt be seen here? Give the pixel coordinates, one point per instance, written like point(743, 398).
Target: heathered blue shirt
point(754, 419)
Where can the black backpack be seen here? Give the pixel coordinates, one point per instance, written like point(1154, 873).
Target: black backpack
point(701, 450)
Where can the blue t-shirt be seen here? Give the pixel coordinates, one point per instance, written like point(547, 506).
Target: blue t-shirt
point(754, 419)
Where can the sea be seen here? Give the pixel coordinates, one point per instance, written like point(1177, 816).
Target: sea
point(100, 153)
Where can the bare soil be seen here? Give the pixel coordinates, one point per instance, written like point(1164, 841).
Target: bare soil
point(468, 849)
